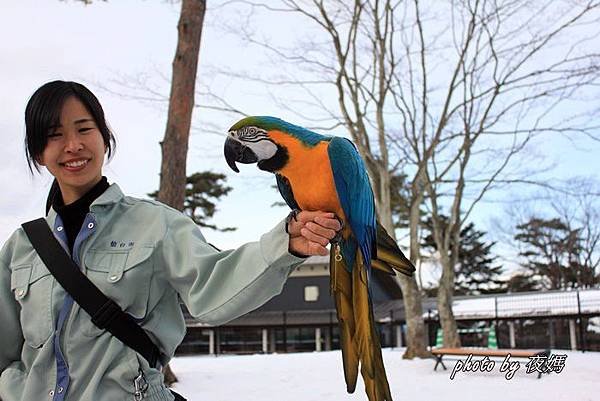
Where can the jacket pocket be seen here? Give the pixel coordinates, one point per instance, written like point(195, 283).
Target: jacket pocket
point(31, 285)
point(122, 275)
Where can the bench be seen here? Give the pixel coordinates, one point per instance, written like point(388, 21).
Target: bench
point(439, 353)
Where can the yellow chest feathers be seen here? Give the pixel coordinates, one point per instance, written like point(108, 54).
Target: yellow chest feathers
point(309, 173)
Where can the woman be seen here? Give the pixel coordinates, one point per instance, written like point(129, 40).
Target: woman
point(140, 253)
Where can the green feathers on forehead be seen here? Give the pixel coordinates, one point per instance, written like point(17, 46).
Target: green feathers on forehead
point(273, 123)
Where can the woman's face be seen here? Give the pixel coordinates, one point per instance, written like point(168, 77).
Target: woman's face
point(75, 151)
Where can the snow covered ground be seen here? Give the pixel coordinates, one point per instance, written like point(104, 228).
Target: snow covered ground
point(319, 377)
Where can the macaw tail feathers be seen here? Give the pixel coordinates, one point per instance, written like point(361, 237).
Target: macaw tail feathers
point(341, 288)
point(359, 338)
point(389, 257)
point(366, 337)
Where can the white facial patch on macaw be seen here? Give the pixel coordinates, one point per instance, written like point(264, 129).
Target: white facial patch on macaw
point(257, 140)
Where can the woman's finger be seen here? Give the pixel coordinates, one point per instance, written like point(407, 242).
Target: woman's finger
point(306, 215)
point(331, 222)
point(320, 230)
point(310, 236)
point(315, 248)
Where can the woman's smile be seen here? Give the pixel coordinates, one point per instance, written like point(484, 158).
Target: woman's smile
point(75, 165)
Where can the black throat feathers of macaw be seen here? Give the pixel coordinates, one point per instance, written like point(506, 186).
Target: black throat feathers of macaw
point(276, 162)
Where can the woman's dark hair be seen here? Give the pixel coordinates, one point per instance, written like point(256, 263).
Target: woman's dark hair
point(43, 112)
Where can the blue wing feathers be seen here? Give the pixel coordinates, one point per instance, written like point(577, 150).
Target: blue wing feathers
point(356, 198)
point(285, 189)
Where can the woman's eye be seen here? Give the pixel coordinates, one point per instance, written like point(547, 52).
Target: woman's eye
point(83, 130)
point(54, 135)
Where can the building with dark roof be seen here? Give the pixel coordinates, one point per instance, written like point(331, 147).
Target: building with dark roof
point(303, 318)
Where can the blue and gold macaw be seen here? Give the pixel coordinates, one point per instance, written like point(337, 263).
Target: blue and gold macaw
point(316, 172)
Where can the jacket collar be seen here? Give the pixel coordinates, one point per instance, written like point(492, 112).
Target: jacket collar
point(112, 195)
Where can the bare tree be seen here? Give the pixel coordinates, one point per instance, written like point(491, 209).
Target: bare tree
point(455, 95)
point(578, 207)
point(181, 103)
point(569, 207)
point(504, 76)
point(356, 64)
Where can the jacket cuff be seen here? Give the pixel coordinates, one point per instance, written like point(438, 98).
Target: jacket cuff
point(274, 246)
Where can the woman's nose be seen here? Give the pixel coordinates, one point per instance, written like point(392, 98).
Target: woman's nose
point(73, 144)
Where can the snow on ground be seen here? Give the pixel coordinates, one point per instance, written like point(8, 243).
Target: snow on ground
point(319, 377)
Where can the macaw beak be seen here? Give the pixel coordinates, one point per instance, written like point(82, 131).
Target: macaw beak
point(235, 151)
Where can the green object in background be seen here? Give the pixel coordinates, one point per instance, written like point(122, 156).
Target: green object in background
point(492, 341)
point(439, 339)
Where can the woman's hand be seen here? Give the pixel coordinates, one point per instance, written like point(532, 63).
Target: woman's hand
point(310, 232)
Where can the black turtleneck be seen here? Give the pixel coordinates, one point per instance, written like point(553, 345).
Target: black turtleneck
point(74, 214)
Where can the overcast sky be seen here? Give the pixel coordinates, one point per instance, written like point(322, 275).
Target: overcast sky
point(127, 40)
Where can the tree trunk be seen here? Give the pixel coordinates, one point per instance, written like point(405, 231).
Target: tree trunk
point(181, 103)
point(416, 343)
point(444, 300)
point(416, 336)
point(416, 340)
point(448, 243)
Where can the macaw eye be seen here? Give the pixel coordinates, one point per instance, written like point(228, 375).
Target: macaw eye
point(250, 133)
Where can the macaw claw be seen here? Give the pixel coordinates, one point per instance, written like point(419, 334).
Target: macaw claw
point(293, 215)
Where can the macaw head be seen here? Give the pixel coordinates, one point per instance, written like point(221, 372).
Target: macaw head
point(259, 140)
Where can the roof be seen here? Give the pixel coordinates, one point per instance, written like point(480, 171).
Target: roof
point(517, 305)
point(548, 303)
point(513, 305)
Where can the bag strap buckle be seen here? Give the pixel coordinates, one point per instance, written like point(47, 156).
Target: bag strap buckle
point(141, 385)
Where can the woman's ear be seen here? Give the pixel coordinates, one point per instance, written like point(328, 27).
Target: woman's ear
point(40, 160)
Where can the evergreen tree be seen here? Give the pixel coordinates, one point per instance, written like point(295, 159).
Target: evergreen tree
point(476, 272)
point(202, 191)
point(522, 282)
point(400, 200)
point(553, 254)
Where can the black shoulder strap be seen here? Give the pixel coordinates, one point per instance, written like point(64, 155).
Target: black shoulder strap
point(105, 313)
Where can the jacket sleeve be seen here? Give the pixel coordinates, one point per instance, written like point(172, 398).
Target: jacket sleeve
point(11, 336)
point(219, 286)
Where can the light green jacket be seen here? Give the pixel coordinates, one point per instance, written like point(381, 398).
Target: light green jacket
point(142, 254)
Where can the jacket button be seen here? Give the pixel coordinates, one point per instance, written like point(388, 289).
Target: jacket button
point(20, 293)
point(59, 228)
point(91, 225)
point(113, 278)
point(60, 390)
point(51, 393)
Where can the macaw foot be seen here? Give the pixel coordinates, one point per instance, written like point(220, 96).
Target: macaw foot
point(293, 215)
point(338, 236)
